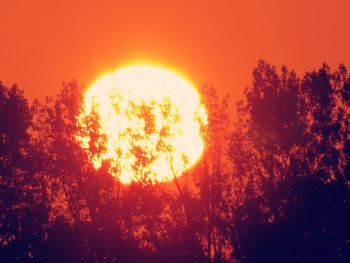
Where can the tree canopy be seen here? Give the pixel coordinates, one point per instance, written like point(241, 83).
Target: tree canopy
point(271, 186)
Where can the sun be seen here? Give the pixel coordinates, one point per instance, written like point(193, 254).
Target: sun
point(145, 123)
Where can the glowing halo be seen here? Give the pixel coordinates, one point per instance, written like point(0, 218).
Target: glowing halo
point(146, 122)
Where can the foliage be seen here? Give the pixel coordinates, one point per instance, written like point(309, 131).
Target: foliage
point(294, 135)
point(272, 185)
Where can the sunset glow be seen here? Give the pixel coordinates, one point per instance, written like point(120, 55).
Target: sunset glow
point(145, 122)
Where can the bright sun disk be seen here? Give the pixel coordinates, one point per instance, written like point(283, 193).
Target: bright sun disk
point(146, 122)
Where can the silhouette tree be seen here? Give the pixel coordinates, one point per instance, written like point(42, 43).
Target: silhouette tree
point(80, 197)
point(114, 222)
point(292, 131)
point(272, 186)
point(23, 209)
point(212, 179)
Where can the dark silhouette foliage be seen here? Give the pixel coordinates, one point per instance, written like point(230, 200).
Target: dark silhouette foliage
point(23, 206)
point(272, 185)
point(295, 132)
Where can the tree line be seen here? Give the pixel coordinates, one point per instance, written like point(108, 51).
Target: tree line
point(272, 185)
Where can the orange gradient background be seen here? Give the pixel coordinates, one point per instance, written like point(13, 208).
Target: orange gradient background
point(46, 42)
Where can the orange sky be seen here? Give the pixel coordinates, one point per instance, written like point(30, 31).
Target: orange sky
point(43, 43)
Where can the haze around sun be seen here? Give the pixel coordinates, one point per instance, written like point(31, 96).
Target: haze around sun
point(145, 123)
